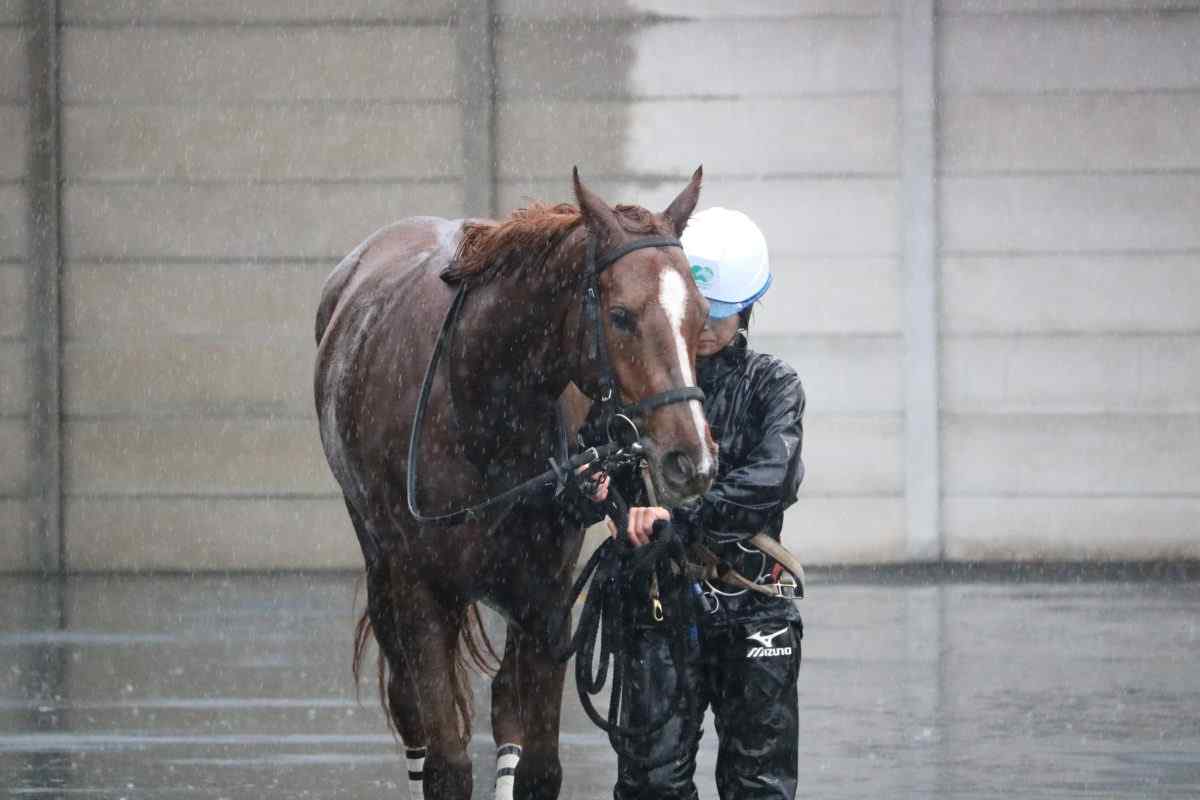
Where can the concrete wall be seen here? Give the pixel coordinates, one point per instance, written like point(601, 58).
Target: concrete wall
point(1071, 282)
point(216, 167)
point(218, 158)
point(16, 545)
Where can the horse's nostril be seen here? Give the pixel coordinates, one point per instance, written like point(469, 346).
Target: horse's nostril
point(678, 468)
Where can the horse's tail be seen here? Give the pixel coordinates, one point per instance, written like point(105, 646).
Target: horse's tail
point(475, 649)
point(475, 652)
point(362, 637)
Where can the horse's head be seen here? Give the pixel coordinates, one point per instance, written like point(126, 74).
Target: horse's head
point(652, 315)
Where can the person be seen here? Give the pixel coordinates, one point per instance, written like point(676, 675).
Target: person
point(745, 657)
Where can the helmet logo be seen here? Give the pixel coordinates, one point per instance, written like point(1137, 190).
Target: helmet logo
point(702, 275)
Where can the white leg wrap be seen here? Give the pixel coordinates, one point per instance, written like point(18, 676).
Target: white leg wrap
point(507, 758)
point(416, 772)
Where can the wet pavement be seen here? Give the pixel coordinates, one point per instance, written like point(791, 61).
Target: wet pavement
point(239, 687)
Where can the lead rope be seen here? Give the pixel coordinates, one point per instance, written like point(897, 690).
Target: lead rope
point(602, 638)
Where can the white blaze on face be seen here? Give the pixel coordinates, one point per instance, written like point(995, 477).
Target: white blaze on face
point(672, 296)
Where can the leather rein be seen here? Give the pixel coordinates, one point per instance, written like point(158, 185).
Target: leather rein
point(610, 406)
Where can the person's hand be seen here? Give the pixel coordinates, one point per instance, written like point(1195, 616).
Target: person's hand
point(601, 478)
point(641, 523)
point(601, 493)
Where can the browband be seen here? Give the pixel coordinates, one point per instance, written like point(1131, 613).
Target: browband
point(613, 256)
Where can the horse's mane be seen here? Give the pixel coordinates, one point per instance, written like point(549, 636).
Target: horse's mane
point(528, 238)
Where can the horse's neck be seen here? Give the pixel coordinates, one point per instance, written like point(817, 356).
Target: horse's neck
point(509, 367)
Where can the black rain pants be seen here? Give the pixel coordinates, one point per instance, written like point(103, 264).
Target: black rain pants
point(746, 673)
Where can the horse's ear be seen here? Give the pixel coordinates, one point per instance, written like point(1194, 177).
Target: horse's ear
point(597, 214)
point(681, 207)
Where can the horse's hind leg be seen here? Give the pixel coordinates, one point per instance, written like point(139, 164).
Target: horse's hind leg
point(417, 637)
point(420, 650)
point(401, 706)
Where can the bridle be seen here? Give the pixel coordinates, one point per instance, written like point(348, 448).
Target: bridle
point(610, 409)
point(610, 405)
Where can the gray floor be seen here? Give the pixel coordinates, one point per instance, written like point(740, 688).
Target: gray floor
point(147, 687)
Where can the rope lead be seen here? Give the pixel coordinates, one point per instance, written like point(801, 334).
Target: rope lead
point(613, 572)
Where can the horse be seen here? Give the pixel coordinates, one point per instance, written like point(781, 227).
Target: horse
point(517, 301)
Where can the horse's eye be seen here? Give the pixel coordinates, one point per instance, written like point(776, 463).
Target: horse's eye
point(623, 320)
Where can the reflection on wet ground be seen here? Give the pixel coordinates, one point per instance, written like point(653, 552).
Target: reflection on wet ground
point(148, 687)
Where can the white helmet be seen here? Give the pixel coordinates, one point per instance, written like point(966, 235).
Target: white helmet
point(728, 254)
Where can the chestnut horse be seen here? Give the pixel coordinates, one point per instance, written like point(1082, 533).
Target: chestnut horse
point(493, 421)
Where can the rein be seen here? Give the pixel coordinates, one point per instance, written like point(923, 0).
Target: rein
point(610, 407)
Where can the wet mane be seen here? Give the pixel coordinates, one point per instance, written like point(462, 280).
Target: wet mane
point(529, 238)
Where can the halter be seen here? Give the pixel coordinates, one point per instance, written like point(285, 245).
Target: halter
point(610, 406)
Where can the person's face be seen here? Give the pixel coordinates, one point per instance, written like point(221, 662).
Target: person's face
point(716, 335)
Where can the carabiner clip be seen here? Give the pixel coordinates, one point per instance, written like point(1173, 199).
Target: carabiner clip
point(626, 432)
point(657, 607)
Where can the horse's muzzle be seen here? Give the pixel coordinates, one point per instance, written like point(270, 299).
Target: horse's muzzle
point(682, 477)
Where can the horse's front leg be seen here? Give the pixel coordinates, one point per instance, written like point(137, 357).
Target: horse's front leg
point(507, 727)
point(539, 682)
point(536, 558)
point(526, 705)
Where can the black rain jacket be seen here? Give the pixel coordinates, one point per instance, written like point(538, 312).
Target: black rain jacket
point(754, 404)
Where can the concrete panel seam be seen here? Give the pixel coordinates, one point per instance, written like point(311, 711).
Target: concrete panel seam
point(46, 260)
point(919, 232)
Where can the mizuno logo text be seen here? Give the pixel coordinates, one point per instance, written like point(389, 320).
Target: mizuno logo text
point(767, 642)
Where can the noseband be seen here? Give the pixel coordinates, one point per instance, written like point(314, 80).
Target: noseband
point(610, 406)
